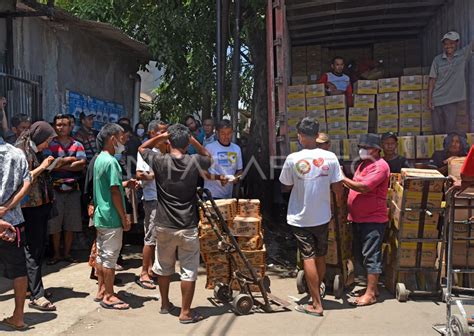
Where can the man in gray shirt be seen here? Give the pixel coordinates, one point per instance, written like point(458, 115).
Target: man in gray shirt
point(447, 85)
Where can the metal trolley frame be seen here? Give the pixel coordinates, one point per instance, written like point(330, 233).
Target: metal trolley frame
point(402, 293)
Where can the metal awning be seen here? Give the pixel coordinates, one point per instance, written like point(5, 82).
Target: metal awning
point(333, 23)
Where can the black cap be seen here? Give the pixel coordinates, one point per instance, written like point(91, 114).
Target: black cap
point(389, 135)
point(369, 140)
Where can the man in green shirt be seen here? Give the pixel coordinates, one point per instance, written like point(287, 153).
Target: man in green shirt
point(110, 218)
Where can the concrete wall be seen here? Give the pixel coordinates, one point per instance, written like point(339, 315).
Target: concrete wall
point(455, 15)
point(69, 59)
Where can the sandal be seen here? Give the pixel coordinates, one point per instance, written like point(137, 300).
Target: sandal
point(114, 305)
point(169, 310)
point(356, 303)
point(196, 318)
point(145, 284)
point(304, 309)
point(6, 322)
point(42, 304)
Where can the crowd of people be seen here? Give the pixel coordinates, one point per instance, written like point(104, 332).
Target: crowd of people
point(59, 178)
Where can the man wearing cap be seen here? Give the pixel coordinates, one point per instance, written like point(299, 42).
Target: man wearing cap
point(86, 135)
point(367, 205)
point(395, 162)
point(447, 84)
point(323, 141)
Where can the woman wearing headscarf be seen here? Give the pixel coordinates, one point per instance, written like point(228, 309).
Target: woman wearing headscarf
point(36, 207)
point(454, 145)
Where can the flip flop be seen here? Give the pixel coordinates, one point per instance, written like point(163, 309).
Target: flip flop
point(113, 305)
point(98, 300)
point(42, 304)
point(303, 309)
point(196, 318)
point(143, 283)
point(164, 311)
point(8, 324)
point(355, 303)
point(360, 292)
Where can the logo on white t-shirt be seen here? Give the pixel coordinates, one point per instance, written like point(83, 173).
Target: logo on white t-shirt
point(302, 167)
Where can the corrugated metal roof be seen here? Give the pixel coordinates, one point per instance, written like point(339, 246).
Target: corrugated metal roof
point(337, 22)
point(104, 31)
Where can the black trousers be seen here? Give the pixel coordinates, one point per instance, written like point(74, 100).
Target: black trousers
point(36, 232)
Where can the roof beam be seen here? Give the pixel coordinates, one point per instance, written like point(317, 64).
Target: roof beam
point(360, 29)
point(358, 19)
point(374, 36)
point(355, 42)
point(365, 9)
point(314, 3)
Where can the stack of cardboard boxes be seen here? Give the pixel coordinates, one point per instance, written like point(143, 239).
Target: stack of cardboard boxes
point(244, 221)
point(405, 223)
point(339, 224)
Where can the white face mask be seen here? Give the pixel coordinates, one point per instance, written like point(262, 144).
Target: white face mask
point(140, 132)
point(364, 154)
point(119, 148)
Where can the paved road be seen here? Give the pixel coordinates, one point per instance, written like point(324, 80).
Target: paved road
point(77, 314)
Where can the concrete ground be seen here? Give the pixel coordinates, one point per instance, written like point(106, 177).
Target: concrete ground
point(77, 314)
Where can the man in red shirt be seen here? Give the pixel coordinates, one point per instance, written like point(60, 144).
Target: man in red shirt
point(336, 82)
point(367, 205)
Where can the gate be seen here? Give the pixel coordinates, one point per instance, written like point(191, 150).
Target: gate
point(23, 91)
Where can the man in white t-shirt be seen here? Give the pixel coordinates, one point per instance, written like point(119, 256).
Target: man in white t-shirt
point(150, 198)
point(310, 174)
point(227, 166)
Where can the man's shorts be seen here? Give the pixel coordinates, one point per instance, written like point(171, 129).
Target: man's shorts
point(368, 239)
point(12, 256)
point(150, 222)
point(109, 243)
point(186, 242)
point(312, 241)
point(69, 213)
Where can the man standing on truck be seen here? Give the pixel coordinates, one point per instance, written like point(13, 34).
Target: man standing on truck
point(309, 175)
point(447, 84)
point(336, 82)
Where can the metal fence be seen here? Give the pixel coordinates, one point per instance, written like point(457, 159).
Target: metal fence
point(23, 91)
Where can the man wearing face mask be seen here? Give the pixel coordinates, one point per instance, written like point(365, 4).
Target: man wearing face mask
point(367, 205)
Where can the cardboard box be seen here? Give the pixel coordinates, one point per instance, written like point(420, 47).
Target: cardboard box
point(389, 112)
point(337, 128)
point(409, 126)
point(319, 115)
point(248, 208)
point(410, 221)
point(315, 103)
point(409, 97)
point(338, 115)
point(413, 179)
point(463, 254)
point(296, 115)
point(294, 146)
point(296, 104)
point(439, 139)
point(350, 149)
point(217, 269)
point(426, 80)
point(426, 123)
point(250, 243)
point(411, 82)
point(408, 254)
point(424, 146)
point(208, 242)
point(413, 199)
point(389, 85)
point(246, 226)
point(364, 101)
point(387, 99)
point(406, 146)
point(227, 207)
point(315, 90)
point(335, 102)
point(215, 257)
point(296, 91)
point(358, 127)
point(336, 147)
point(454, 166)
point(366, 87)
point(358, 114)
point(299, 80)
point(410, 111)
point(412, 71)
point(255, 257)
point(387, 125)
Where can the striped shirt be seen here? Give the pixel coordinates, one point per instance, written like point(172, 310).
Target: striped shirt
point(72, 149)
point(88, 139)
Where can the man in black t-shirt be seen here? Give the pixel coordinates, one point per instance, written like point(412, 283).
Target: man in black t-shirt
point(390, 145)
point(176, 176)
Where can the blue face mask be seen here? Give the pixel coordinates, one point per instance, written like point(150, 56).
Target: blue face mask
point(118, 156)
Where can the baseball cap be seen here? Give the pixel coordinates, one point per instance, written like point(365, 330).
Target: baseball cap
point(389, 135)
point(322, 138)
point(452, 35)
point(369, 140)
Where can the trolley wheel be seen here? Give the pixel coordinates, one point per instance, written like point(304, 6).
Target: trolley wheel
point(322, 290)
point(266, 283)
point(301, 282)
point(338, 286)
point(242, 304)
point(222, 293)
point(444, 295)
point(401, 293)
point(458, 325)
